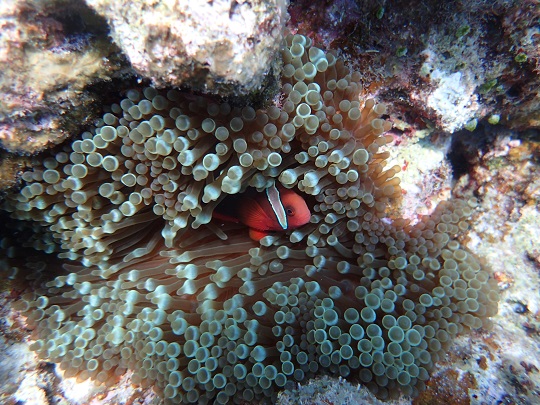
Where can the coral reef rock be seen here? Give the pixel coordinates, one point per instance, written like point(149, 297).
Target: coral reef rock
point(438, 63)
point(218, 46)
point(49, 54)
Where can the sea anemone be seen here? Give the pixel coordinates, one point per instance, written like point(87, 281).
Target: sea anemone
point(193, 306)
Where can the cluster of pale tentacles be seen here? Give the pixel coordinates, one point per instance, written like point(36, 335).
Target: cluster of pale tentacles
point(196, 308)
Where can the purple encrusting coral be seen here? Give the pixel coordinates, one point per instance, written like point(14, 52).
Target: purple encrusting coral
point(197, 309)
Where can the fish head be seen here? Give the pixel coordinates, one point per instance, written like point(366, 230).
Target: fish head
point(296, 209)
point(275, 210)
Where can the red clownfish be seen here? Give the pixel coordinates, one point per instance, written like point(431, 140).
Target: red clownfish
point(273, 210)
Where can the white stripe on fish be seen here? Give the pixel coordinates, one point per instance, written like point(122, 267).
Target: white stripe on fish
point(272, 193)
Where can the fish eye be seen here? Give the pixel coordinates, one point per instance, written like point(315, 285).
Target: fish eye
point(290, 212)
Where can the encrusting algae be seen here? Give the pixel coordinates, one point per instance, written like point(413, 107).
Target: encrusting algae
point(197, 309)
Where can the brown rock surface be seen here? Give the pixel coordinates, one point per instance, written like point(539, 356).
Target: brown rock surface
point(48, 58)
point(218, 46)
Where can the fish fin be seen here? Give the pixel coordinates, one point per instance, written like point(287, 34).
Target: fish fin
point(257, 235)
point(252, 213)
point(223, 217)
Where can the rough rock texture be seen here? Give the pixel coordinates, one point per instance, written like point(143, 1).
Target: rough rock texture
point(218, 46)
point(327, 390)
point(50, 52)
point(11, 167)
point(440, 64)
